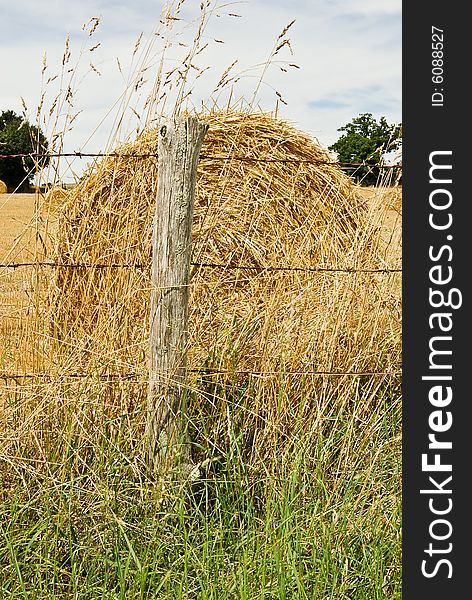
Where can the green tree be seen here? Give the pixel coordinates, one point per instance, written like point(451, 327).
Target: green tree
point(366, 140)
point(17, 136)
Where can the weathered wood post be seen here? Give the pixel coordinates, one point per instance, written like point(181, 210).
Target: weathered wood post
point(180, 141)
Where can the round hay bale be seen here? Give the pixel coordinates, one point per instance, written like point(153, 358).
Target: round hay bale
point(3, 187)
point(283, 206)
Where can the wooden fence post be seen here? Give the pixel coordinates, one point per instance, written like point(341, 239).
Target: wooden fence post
point(180, 141)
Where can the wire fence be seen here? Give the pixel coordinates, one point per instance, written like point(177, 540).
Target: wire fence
point(140, 266)
point(139, 378)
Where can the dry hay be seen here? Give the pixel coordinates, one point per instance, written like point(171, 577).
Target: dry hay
point(260, 214)
point(3, 187)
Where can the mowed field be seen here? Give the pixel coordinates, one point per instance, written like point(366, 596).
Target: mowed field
point(16, 213)
point(17, 245)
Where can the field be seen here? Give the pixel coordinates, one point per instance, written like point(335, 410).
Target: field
point(79, 517)
point(17, 244)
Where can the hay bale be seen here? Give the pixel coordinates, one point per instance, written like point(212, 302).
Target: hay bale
point(55, 198)
point(3, 187)
point(260, 214)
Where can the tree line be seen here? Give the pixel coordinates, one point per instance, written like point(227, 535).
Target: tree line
point(18, 136)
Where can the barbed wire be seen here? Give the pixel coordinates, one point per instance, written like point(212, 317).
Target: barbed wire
point(34, 155)
point(139, 266)
point(140, 378)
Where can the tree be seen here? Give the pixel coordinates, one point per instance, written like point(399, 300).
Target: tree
point(17, 136)
point(367, 141)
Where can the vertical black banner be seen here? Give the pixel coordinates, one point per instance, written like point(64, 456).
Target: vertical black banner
point(437, 230)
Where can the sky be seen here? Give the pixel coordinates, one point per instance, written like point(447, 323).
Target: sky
point(347, 56)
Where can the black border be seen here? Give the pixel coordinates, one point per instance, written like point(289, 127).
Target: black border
point(428, 128)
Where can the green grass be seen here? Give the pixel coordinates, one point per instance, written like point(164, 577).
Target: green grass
point(324, 523)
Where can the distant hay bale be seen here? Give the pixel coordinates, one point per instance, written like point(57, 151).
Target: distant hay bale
point(287, 208)
point(55, 197)
point(3, 187)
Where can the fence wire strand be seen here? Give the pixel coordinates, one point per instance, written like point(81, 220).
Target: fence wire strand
point(137, 378)
point(146, 155)
point(229, 267)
